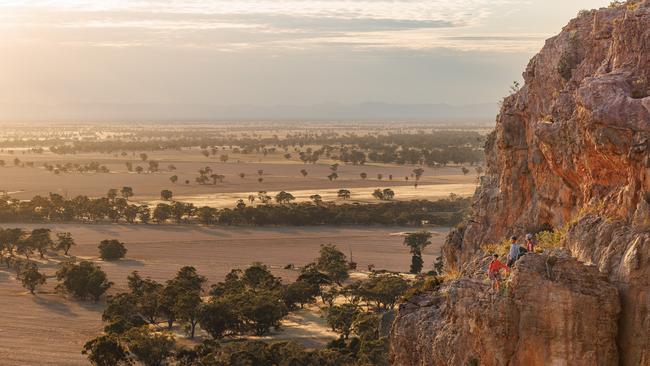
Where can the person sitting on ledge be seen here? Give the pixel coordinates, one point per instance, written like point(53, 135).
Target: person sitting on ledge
point(530, 243)
point(515, 251)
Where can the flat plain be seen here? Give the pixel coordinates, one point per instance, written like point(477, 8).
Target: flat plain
point(49, 329)
point(277, 173)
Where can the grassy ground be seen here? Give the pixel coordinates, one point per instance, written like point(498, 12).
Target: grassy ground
point(48, 329)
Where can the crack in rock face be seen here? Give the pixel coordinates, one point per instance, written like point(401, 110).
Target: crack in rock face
point(570, 149)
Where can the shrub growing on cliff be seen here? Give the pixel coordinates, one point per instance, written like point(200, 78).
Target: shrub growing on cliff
point(451, 274)
point(423, 284)
point(501, 248)
point(547, 240)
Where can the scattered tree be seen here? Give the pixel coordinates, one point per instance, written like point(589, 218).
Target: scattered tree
point(151, 349)
point(166, 195)
point(127, 192)
point(106, 350)
point(83, 280)
point(417, 173)
point(40, 240)
point(64, 242)
point(284, 197)
point(111, 249)
point(218, 318)
point(112, 194)
point(316, 198)
point(333, 263)
point(417, 242)
point(341, 317)
point(383, 289)
point(188, 308)
point(31, 277)
point(344, 194)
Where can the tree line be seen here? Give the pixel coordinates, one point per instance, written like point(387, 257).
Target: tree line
point(115, 207)
point(426, 148)
point(421, 139)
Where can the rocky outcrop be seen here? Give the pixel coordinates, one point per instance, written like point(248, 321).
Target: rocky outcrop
point(577, 133)
point(622, 251)
point(571, 149)
point(546, 317)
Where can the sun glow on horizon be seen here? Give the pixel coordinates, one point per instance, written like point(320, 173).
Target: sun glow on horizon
point(268, 52)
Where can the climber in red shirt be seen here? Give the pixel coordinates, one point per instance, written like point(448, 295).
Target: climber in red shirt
point(494, 273)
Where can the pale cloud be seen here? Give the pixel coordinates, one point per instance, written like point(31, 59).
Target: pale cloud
point(292, 24)
point(168, 53)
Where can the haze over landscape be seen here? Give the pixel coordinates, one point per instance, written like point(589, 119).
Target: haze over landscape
point(223, 60)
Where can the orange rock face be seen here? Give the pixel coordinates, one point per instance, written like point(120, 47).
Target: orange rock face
point(555, 312)
point(573, 146)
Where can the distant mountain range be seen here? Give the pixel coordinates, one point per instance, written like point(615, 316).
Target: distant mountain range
point(99, 112)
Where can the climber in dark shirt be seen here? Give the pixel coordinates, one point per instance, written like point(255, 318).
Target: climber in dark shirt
point(515, 251)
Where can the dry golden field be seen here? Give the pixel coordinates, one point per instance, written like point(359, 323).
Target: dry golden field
point(49, 329)
point(278, 174)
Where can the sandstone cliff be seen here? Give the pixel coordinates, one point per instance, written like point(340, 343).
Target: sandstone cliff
point(547, 302)
point(570, 149)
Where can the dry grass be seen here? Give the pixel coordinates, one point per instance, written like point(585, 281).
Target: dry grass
point(548, 240)
point(500, 248)
point(279, 174)
point(451, 274)
point(48, 329)
point(358, 195)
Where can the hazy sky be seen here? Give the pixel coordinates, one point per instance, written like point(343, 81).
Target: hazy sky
point(70, 53)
